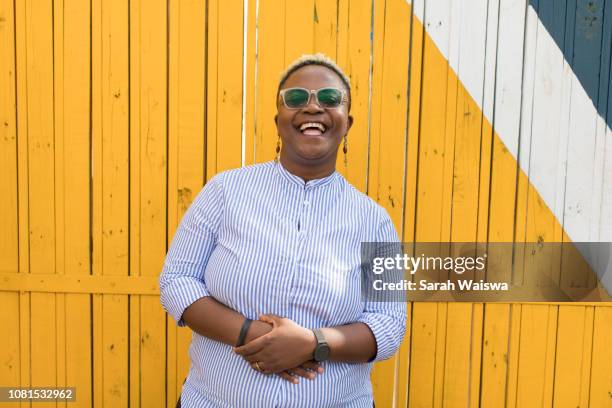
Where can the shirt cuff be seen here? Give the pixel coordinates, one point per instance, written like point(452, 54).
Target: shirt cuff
point(388, 333)
point(179, 294)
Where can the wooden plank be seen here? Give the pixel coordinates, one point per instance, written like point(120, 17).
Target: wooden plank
point(271, 32)
point(325, 27)
point(548, 139)
point(148, 160)
point(72, 51)
point(59, 196)
point(299, 29)
point(423, 354)
point(353, 55)
point(601, 356)
point(411, 180)
point(439, 364)
point(185, 151)
point(23, 190)
point(390, 94)
point(250, 77)
point(391, 87)
point(458, 344)
point(573, 356)
point(9, 255)
point(469, 117)
point(475, 374)
point(212, 79)
point(495, 355)
point(9, 239)
point(110, 127)
point(536, 355)
point(432, 181)
point(224, 111)
point(41, 145)
point(513, 355)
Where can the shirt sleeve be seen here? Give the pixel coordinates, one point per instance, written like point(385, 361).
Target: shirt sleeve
point(386, 318)
point(182, 279)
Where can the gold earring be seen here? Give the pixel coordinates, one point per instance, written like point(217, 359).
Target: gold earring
point(278, 149)
point(345, 150)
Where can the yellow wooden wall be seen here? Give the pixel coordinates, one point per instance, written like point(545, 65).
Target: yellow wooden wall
point(114, 113)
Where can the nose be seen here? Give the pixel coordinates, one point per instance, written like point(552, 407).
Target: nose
point(313, 106)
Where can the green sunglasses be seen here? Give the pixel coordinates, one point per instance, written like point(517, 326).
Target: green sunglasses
point(297, 98)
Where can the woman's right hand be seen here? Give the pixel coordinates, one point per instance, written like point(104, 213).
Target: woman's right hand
point(308, 370)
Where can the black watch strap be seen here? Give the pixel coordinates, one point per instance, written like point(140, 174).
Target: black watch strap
point(243, 331)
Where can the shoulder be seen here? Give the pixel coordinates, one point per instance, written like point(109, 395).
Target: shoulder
point(243, 176)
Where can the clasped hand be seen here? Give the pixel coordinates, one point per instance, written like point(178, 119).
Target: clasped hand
point(286, 350)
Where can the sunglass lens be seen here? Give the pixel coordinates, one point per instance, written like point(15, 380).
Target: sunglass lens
point(329, 97)
point(295, 98)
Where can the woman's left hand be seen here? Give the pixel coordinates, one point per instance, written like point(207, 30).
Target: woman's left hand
point(286, 346)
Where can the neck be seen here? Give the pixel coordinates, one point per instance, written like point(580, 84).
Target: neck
point(308, 171)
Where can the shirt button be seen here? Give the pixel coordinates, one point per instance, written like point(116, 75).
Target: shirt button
point(306, 202)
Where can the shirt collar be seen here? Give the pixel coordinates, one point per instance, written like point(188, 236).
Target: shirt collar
point(298, 181)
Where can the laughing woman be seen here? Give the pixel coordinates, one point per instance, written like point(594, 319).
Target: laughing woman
point(265, 266)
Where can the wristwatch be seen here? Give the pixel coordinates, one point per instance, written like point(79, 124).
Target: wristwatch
point(321, 351)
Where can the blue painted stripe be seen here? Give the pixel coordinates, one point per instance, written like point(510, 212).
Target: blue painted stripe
point(582, 29)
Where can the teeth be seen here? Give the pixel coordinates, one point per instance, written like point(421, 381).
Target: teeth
point(312, 125)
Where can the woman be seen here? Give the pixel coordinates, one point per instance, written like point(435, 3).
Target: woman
point(279, 243)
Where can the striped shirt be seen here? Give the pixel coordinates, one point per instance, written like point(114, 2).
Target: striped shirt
point(261, 240)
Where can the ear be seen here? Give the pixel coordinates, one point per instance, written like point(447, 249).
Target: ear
point(276, 119)
point(349, 123)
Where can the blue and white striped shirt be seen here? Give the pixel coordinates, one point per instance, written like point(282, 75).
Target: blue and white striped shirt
point(261, 240)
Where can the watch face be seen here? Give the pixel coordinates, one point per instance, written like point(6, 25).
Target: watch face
point(321, 352)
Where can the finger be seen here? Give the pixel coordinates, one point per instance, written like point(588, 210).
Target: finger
point(253, 346)
point(287, 376)
point(261, 356)
point(303, 373)
point(314, 366)
point(272, 319)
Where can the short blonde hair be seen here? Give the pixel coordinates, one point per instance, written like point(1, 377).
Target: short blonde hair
point(315, 59)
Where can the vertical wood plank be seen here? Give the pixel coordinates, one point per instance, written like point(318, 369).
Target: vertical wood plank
point(110, 127)
point(537, 355)
point(354, 49)
point(251, 84)
point(601, 375)
point(9, 239)
point(326, 28)
point(23, 190)
point(574, 345)
point(76, 206)
point(423, 354)
point(387, 164)
point(224, 112)
point(495, 356)
point(41, 147)
point(185, 150)
point(148, 161)
point(271, 33)
point(299, 29)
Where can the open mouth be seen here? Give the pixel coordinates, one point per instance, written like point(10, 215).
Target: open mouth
point(313, 128)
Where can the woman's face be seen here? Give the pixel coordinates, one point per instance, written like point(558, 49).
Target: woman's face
point(309, 146)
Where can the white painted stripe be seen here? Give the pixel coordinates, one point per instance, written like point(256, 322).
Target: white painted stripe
point(509, 68)
point(551, 93)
